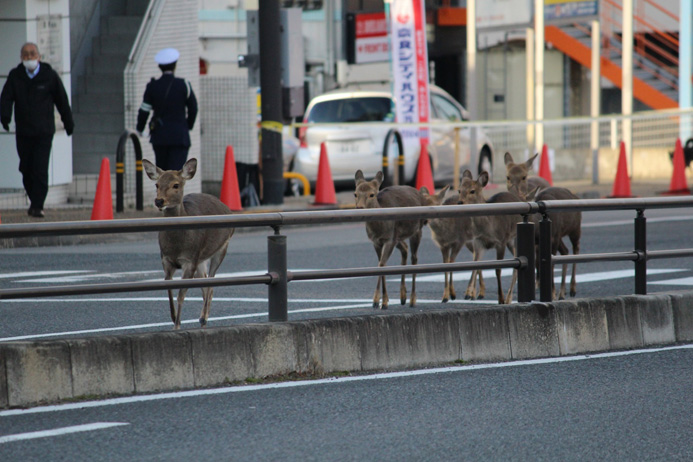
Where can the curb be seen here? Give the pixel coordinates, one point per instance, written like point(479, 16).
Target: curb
point(33, 373)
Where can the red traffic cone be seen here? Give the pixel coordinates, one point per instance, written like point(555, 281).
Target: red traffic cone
point(544, 166)
point(678, 183)
point(230, 192)
point(424, 175)
point(324, 187)
point(103, 200)
point(622, 182)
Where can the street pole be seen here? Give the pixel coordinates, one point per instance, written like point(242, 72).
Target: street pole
point(271, 105)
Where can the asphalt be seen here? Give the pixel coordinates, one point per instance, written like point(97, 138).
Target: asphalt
point(344, 199)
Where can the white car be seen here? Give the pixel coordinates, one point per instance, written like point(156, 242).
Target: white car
point(358, 141)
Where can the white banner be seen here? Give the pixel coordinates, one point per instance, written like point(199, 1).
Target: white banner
point(410, 64)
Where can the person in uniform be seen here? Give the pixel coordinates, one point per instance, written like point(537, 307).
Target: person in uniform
point(175, 108)
point(34, 89)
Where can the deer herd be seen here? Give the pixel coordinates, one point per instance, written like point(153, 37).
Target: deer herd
point(200, 252)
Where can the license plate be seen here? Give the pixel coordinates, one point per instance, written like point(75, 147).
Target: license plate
point(349, 147)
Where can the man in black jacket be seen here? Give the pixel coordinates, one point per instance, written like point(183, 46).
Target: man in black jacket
point(34, 88)
point(175, 108)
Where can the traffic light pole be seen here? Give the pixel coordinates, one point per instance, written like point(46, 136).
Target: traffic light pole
point(271, 100)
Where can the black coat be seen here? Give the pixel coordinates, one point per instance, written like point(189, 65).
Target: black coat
point(174, 112)
point(33, 101)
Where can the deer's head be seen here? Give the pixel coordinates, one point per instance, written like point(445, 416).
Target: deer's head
point(169, 183)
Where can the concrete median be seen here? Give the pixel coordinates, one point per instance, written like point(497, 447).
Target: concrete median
point(32, 373)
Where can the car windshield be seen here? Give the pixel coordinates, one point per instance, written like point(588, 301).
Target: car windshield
point(351, 110)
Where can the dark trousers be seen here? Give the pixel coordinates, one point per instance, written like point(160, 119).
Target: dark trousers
point(170, 157)
point(34, 155)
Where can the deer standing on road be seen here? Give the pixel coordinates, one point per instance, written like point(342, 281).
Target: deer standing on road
point(562, 224)
point(491, 231)
point(388, 234)
point(197, 252)
point(450, 235)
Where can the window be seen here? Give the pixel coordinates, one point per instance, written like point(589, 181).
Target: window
point(445, 109)
point(374, 109)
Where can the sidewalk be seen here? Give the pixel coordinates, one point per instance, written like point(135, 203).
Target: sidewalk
point(345, 199)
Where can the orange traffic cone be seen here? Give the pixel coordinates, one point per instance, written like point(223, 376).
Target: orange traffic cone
point(324, 187)
point(230, 192)
point(544, 166)
point(622, 182)
point(103, 200)
point(424, 175)
point(678, 183)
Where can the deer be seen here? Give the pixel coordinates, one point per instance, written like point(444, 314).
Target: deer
point(450, 235)
point(388, 234)
point(517, 179)
point(562, 224)
point(490, 231)
point(199, 252)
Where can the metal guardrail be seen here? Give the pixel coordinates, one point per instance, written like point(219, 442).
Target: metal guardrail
point(278, 276)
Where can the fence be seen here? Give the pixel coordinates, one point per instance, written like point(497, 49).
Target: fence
point(277, 276)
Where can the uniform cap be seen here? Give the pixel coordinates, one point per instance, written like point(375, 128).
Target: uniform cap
point(167, 56)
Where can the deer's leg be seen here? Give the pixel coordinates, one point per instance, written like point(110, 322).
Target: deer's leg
point(414, 241)
point(500, 253)
point(576, 251)
point(470, 293)
point(482, 287)
point(169, 270)
point(453, 251)
point(214, 264)
point(189, 271)
point(384, 257)
point(404, 251)
point(376, 295)
point(207, 292)
point(563, 251)
point(509, 297)
point(446, 288)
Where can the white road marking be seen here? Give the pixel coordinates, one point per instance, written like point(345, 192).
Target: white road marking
point(88, 277)
point(584, 277)
point(675, 282)
point(60, 431)
point(31, 274)
point(630, 222)
point(330, 381)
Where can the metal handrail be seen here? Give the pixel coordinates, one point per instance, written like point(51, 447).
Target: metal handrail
point(278, 275)
point(120, 170)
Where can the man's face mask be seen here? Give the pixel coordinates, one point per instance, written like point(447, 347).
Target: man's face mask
point(30, 64)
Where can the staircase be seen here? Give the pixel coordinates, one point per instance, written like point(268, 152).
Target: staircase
point(98, 106)
point(655, 64)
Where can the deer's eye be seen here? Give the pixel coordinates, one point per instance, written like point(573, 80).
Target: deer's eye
point(372, 195)
point(507, 178)
point(356, 195)
point(176, 186)
point(524, 178)
point(157, 185)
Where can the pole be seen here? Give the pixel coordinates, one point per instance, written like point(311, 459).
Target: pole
point(271, 106)
point(277, 291)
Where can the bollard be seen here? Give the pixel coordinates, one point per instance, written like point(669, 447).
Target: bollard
point(641, 250)
point(545, 264)
point(277, 291)
point(525, 251)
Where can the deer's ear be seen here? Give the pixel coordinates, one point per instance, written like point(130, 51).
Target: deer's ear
point(441, 194)
point(189, 169)
point(379, 177)
point(483, 178)
point(153, 172)
point(359, 177)
point(532, 193)
point(508, 158)
point(424, 190)
point(530, 161)
point(467, 174)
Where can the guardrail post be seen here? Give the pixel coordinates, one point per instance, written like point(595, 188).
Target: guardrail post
point(545, 263)
point(276, 265)
point(641, 250)
point(525, 251)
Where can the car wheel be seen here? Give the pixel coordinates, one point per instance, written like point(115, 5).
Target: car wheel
point(486, 163)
